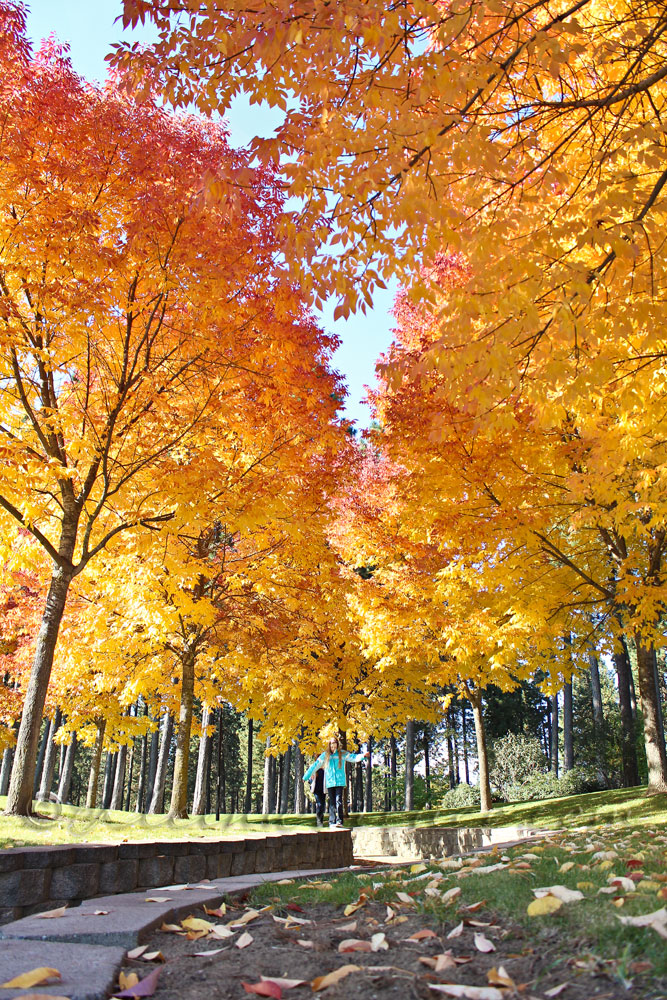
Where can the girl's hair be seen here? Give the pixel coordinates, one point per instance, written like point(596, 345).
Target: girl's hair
point(327, 752)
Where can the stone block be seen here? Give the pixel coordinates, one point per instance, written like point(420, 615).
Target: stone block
point(11, 860)
point(25, 887)
point(9, 913)
point(119, 876)
point(156, 871)
point(76, 882)
point(189, 868)
point(219, 865)
point(88, 973)
point(49, 857)
point(95, 854)
point(243, 863)
point(171, 848)
point(136, 851)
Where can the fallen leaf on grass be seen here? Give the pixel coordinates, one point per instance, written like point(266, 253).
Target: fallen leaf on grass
point(264, 989)
point(657, 921)
point(285, 984)
point(354, 944)
point(244, 940)
point(439, 963)
point(244, 919)
point(468, 992)
point(543, 906)
point(556, 990)
point(197, 924)
point(457, 932)
point(451, 894)
point(144, 988)
point(287, 881)
point(126, 979)
point(404, 898)
point(137, 952)
point(473, 907)
point(331, 978)
point(379, 942)
point(568, 866)
point(35, 977)
point(500, 977)
point(482, 943)
point(51, 914)
point(220, 931)
point(560, 892)
point(418, 868)
point(621, 882)
point(420, 935)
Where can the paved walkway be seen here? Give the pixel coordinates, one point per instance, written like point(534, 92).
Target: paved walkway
point(88, 943)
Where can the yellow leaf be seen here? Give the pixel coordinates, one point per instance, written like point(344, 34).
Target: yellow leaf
point(244, 940)
point(331, 978)
point(127, 979)
point(543, 906)
point(197, 924)
point(417, 869)
point(36, 977)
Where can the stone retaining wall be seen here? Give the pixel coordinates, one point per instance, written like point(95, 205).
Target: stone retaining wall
point(423, 842)
point(33, 879)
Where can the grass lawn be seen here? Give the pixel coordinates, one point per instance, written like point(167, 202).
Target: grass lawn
point(68, 824)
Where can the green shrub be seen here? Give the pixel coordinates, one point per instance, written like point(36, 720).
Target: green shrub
point(461, 796)
point(548, 786)
point(515, 759)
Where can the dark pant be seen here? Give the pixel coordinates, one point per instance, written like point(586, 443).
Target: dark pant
point(336, 804)
point(319, 806)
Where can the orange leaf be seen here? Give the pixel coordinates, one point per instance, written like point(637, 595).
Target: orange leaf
point(331, 978)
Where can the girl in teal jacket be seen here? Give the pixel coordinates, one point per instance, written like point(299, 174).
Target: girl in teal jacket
point(333, 761)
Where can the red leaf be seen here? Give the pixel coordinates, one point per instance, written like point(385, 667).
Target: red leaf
point(296, 907)
point(144, 988)
point(265, 989)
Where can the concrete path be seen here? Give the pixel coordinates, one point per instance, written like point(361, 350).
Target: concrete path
point(88, 943)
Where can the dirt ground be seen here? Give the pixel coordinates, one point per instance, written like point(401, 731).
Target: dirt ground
point(303, 944)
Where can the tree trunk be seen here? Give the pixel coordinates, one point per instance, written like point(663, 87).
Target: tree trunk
point(68, 770)
point(203, 764)
point(299, 790)
point(427, 765)
point(482, 756)
point(387, 783)
point(93, 780)
point(285, 780)
point(267, 795)
point(49, 759)
point(598, 717)
point(143, 768)
point(393, 770)
point(220, 778)
point(179, 793)
point(368, 804)
point(154, 741)
point(109, 775)
point(157, 802)
point(464, 731)
point(39, 766)
point(119, 779)
point(656, 757)
point(358, 786)
point(130, 770)
point(553, 735)
point(248, 777)
point(628, 742)
point(5, 772)
point(568, 734)
point(450, 753)
point(410, 764)
point(19, 798)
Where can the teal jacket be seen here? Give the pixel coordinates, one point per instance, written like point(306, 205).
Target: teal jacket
point(334, 773)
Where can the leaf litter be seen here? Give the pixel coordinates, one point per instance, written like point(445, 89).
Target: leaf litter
point(432, 946)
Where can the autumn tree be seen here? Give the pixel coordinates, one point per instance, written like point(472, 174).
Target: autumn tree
point(130, 275)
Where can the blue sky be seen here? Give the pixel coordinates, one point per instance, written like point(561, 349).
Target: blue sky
point(88, 26)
